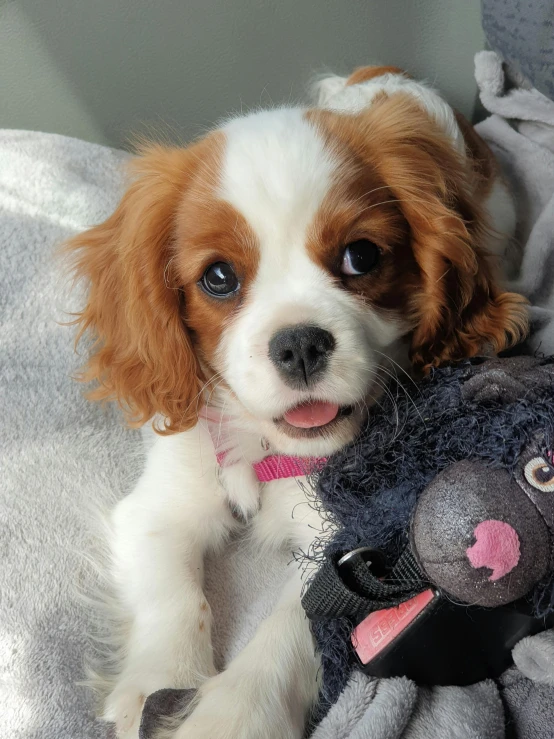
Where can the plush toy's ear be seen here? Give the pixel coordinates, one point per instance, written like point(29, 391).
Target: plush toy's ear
point(142, 354)
point(461, 308)
point(507, 379)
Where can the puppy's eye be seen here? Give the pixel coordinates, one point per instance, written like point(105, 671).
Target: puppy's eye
point(359, 258)
point(220, 280)
point(540, 474)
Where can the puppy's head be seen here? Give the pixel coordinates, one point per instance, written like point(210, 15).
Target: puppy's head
point(285, 258)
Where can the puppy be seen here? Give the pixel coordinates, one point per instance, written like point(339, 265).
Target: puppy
point(251, 294)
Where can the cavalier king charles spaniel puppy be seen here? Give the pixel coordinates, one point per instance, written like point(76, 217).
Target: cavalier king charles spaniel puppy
point(250, 296)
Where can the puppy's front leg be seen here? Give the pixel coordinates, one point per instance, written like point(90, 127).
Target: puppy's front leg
point(161, 532)
point(268, 689)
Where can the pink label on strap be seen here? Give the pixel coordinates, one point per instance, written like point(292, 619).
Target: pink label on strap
point(380, 628)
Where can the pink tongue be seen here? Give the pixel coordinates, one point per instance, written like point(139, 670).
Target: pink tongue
point(310, 415)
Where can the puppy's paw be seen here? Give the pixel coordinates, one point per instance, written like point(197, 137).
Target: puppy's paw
point(123, 707)
point(242, 488)
point(210, 727)
point(236, 711)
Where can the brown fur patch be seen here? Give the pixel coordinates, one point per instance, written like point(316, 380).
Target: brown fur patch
point(444, 281)
point(146, 314)
point(361, 206)
point(484, 163)
point(208, 231)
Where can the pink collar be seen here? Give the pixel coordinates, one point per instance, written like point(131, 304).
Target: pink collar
point(272, 467)
point(276, 467)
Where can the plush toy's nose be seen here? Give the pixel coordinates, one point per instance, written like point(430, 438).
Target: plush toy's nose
point(496, 547)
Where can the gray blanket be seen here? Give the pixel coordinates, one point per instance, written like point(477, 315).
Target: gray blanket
point(61, 457)
point(57, 453)
point(520, 130)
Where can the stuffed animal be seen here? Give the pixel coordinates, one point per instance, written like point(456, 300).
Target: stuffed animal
point(446, 501)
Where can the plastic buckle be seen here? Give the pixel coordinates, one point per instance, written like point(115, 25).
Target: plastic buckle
point(433, 641)
point(372, 558)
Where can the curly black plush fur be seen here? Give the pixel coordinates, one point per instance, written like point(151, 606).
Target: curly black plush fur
point(483, 411)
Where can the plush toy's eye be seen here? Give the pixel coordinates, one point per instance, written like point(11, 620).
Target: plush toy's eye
point(539, 473)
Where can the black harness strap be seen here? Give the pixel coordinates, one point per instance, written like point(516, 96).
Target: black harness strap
point(332, 595)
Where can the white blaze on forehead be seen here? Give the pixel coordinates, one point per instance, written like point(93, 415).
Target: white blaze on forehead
point(276, 172)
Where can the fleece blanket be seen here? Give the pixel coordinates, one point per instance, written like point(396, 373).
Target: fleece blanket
point(520, 131)
point(61, 456)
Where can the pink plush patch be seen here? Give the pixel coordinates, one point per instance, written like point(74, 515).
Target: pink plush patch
point(496, 547)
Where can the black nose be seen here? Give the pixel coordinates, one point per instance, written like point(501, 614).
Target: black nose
point(300, 354)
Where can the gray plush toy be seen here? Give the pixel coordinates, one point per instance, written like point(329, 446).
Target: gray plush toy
point(454, 486)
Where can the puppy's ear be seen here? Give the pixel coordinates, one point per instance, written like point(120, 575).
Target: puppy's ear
point(461, 308)
point(142, 355)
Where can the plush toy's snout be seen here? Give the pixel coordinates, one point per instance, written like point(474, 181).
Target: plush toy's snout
point(478, 535)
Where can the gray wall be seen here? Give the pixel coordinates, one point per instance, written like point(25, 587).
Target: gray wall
point(102, 69)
